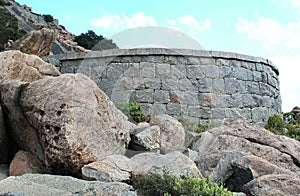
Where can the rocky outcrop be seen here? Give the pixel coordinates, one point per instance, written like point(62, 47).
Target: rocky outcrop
point(37, 184)
point(24, 162)
point(78, 125)
point(3, 171)
point(115, 168)
point(269, 185)
point(174, 163)
point(37, 42)
point(240, 136)
point(3, 140)
point(17, 66)
point(62, 40)
point(172, 134)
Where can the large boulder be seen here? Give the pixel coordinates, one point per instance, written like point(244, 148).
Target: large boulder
point(115, 168)
point(174, 163)
point(3, 140)
point(145, 137)
point(37, 184)
point(15, 65)
point(66, 121)
point(270, 185)
point(37, 42)
point(172, 134)
point(23, 162)
point(3, 171)
point(245, 137)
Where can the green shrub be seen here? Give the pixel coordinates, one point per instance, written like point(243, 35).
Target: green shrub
point(4, 3)
point(91, 40)
point(169, 185)
point(48, 18)
point(9, 28)
point(197, 127)
point(278, 126)
point(132, 109)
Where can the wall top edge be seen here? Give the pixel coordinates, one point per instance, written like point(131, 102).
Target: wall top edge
point(164, 51)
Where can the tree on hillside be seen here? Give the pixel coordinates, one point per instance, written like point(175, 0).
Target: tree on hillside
point(92, 41)
point(9, 28)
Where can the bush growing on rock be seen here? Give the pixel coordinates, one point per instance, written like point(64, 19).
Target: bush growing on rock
point(9, 28)
point(278, 126)
point(133, 110)
point(48, 18)
point(169, 185)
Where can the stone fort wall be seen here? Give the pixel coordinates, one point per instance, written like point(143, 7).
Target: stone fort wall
point(194, 84)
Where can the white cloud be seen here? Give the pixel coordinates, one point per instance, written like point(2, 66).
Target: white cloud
point(108, 21)
point(189, 20)
point(139, 19)
point(284, 3)
point(270, 33)
point(116, 21)
point(289, 70)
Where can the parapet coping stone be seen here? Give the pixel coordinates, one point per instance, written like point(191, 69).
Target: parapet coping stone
point(164, 51)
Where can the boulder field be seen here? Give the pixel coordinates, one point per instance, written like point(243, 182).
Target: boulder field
point(61, 135)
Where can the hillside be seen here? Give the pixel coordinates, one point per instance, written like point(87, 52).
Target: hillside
point(28, 21)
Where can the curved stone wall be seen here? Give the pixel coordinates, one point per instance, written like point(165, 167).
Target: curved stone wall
point(192, 84)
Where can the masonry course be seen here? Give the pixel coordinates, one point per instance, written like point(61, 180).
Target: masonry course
point(197, 85)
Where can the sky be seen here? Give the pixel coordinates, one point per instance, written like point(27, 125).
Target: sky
point(264, 28)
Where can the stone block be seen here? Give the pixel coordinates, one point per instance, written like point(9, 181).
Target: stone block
point(205, 85)
point(147, 70)
point(152, 83)
point(212, 71)
point(226, 72)
point(169, 84)
point(173, 109)
point(223, 62)
point(207, 61)
point(144, 96)
point(218, 86)
point(235, 100)
point(114, 71)
point(163, 70)
point(199, 112)
point(195, 71)
point(208, 99)
point(223, 101)
point(233, 86)
point(187, 84)
point(190, 98)
point(178, 71)
point(158, 108)
point(133, 70)
point(236, 113)
point(252, 87)
point(161, 96)
point(218, 113)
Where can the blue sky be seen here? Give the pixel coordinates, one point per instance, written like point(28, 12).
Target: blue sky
point(264, 28)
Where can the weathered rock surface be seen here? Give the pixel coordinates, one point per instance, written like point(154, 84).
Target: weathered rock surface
point(237, 169)
point(115, 168)
point(15, 65)
point(172, 134)
point(145, 137)
point(24, 162)
point(66, 121)
point(244, 137)
point(38, 42)
point(174, 163)
point(270, 185)
point(36, 184)
point(3, 140)
point(3, 171)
